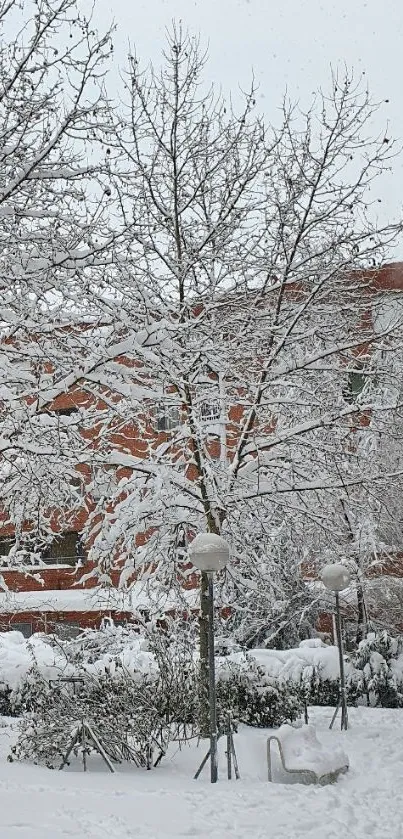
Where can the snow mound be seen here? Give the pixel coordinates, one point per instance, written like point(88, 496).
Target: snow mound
point(299, 664)
point(17, 656)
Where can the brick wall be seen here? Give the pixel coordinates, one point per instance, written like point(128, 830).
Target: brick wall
point(45, 621)
point(60, 579)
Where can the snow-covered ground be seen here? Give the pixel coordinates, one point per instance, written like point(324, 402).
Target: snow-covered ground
point(166, 803)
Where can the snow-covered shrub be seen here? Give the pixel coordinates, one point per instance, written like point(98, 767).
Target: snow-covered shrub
point(324, 692)
point(253, 697)
point(44, 730)
point(311, 670)
point(136, 693)
point(18, 657)
point(318, 688)
point(123, 710)
point(379, 666)
point(6, 706)
point(178, 677)
point(321, 691)
point(374, 673)
point(167, 655)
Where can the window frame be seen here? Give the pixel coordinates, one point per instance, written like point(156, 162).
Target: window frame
point(210, 411)
point(167, 417)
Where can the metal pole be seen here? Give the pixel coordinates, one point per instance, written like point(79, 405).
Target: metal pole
point(343, 700)
point(212, 694)
point(84, 745)
point(229, 753)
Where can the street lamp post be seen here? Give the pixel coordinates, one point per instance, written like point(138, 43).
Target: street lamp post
point(210, 553)
point(336, 578)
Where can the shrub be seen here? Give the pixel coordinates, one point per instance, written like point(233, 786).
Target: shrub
point(44, 733)
point(133, 709)
point(140, 692)
point(323, 692)
point(379, 665)
point(6, 705)
point(251, 696)
point(374, 674)
point(123, 711)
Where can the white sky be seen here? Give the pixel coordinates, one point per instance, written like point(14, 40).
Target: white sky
point(289, 43)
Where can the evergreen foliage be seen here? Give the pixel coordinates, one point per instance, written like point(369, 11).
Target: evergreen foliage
point(380, 679)
point(249, 695)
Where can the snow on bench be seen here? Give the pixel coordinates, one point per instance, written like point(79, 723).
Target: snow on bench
point(303, 755)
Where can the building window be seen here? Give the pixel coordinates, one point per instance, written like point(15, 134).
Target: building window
point(103, 483)
point(66, 549)
point(66, 630)
point(210, 411)
point(355, 383)
point(25, 628)
point(167, 417)
point(60, 410)
point(5, 545)
point(76, 482)
point(123, 624)
point(23, 557)
point(65, 411)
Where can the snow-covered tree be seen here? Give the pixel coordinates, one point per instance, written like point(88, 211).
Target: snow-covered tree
point(244, 302)
point(369, 517)
point(55, 238)
point(228, 328)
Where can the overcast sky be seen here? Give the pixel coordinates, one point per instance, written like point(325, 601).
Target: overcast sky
point(288, 43)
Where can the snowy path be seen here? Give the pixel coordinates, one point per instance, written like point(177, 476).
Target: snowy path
point(168, 804)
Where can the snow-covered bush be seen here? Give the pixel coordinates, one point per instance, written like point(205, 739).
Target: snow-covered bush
point(141, 688)
point(44, 730)
point(320, 691)
point(132, 715)
point(166, 655)
point(6, 707)
point(374, 673)
point(327, 691)
point(253, 697)
point(311, 670)
point(378, 663)
point(19, 660)
point(136, 693)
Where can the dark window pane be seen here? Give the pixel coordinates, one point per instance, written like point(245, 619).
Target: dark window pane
point(66, 548)
point(209, 411)
point(65, 412)
point(5, 545)
point(167, 417)
point(66, 630)
point(25, 628)
point(355, 385)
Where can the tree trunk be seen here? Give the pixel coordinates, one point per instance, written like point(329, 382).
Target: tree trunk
point(361, 613)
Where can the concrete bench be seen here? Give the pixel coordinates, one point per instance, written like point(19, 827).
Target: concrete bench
point(304, 757)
